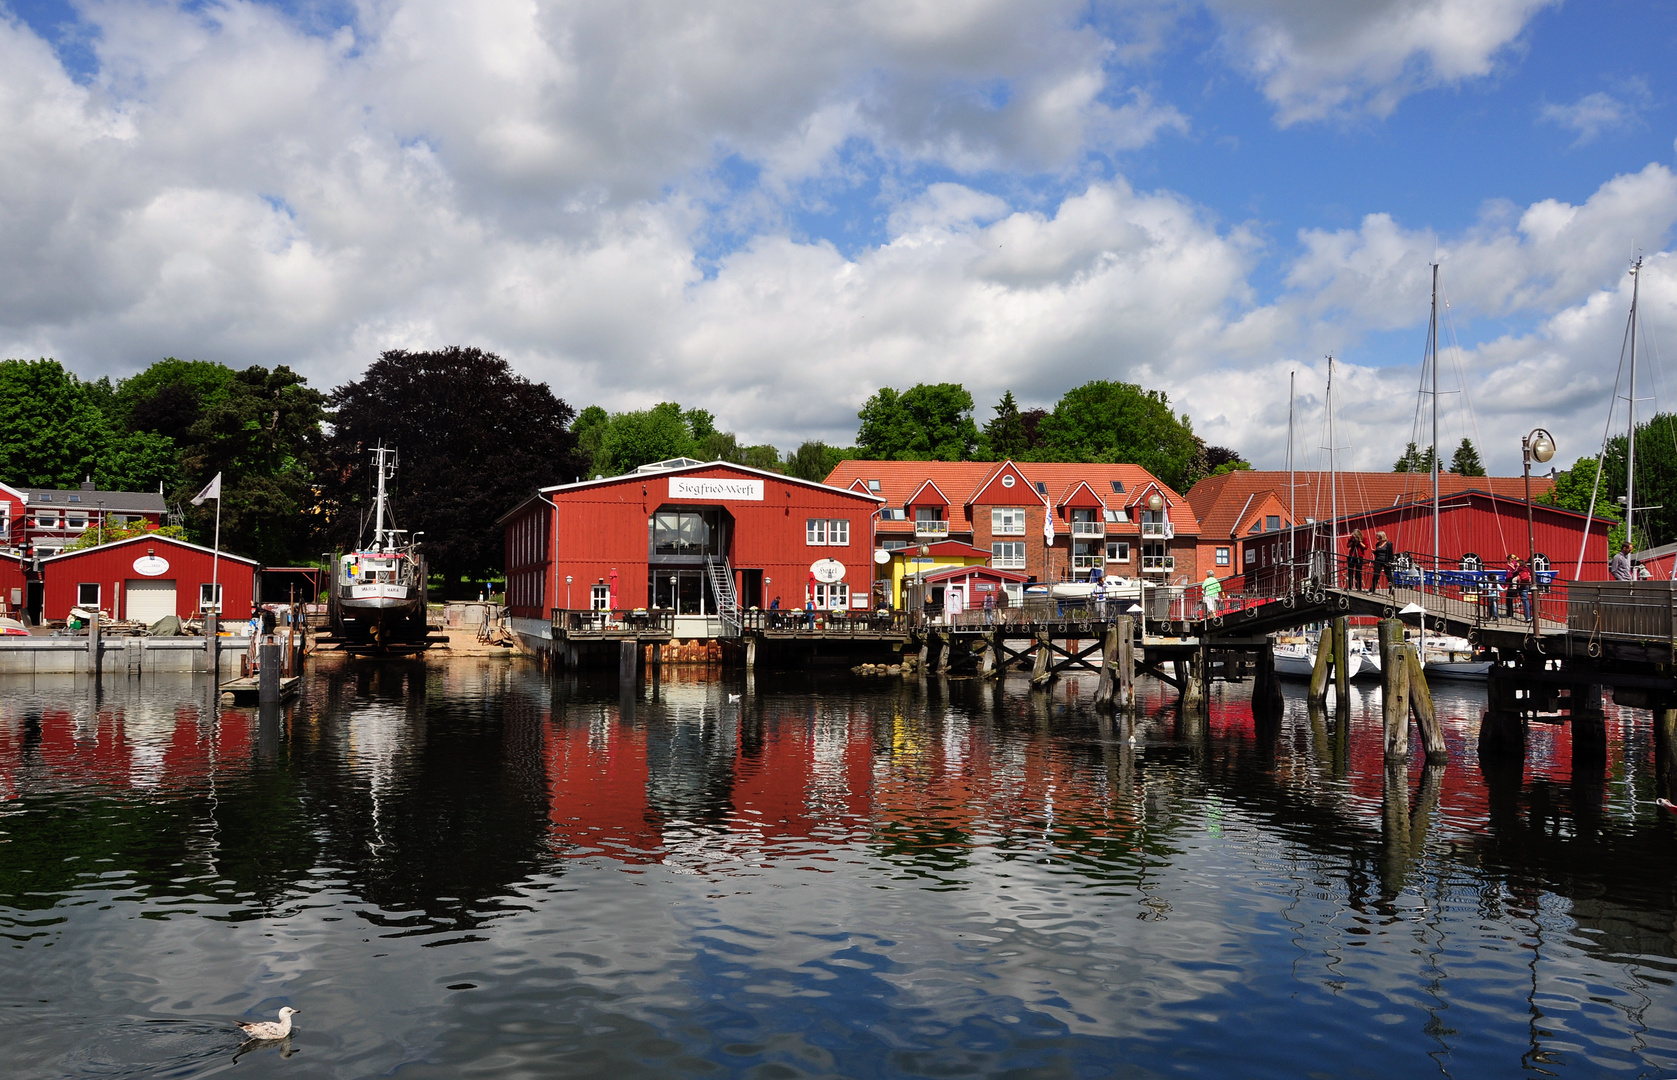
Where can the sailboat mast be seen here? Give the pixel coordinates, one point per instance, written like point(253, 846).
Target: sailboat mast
point(1432, 348)
point(1333, 485)
point(1292, 487)
point(1630, 442)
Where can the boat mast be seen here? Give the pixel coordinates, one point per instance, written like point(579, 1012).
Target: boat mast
point(1292, 487)
point(1630, 442)
point(378, 507)
point(1432, 355)
point(1333, 485)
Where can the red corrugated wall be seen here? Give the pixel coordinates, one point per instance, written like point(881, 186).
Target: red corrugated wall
point(604, 527)
point(113, 564)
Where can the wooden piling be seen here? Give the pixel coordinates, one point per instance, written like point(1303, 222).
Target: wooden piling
point(93, 645)
point(987, 662)
point(628, 656)
point(1319, 670)
point(1394, 696)
point(1665, 749)
point(268, 672)
point(1342, 662)
point(1126, 662)
point(1043, 672)
point(1106, 685)
point(1193, 687)
point(750, 653)
point(212, 643)
point(945, 646)
point(1420, 700)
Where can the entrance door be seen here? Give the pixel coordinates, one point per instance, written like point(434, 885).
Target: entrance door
point(35, 593)
point(148, 599)
point(751, 589)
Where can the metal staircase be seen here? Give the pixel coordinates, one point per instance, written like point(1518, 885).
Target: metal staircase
point(722, 587)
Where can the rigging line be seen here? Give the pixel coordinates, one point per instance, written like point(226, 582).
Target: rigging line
point(1601, 458)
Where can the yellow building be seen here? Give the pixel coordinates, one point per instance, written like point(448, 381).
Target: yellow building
point(907, 564)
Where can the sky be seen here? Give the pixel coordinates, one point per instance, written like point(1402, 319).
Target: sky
point(771, 210)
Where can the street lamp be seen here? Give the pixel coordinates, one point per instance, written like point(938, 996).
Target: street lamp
point(567, 592)
point(1538, 444)
point(920, 580)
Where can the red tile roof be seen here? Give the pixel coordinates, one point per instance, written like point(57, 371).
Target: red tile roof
point(959, 481)
point(1218, 501)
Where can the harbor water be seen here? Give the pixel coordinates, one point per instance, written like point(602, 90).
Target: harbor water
point(473, 868)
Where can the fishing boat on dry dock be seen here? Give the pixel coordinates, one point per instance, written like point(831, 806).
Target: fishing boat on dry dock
point(378, 593)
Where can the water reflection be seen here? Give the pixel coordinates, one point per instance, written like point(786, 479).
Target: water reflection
point(820, 875)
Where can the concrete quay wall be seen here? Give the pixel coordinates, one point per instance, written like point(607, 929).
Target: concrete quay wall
point(117, 655)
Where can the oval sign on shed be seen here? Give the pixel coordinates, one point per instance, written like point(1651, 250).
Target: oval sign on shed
point(151, 566)
point(827, 571)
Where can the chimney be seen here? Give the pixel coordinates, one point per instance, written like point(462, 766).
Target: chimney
point(87, 485)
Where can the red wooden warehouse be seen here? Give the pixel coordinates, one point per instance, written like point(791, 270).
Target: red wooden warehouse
point(1469, 522)
point(145, 578)
point(663, 537)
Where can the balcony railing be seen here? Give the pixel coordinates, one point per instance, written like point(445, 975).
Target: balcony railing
point(1087, 562)
point(923, 527)
point(1160, 530)
point(1158, 564)
point(1088, 528)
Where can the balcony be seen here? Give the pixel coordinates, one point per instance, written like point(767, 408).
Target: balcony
point(931, 529)
point(1088, 528)
point(1087, 562)
point(1158, 564)
point(1157, 530)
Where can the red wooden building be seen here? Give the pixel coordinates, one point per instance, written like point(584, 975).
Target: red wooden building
point(14, 584)
point(144, 578)
point(654, 538)
point(1469, 522)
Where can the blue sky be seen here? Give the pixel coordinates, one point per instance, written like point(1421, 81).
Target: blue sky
point(772, 210)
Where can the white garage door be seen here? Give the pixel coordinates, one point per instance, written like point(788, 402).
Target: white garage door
point(148, 599)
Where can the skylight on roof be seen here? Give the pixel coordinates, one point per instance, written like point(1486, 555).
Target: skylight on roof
point(1042, 487)
point(1117, 487)
point(873, 485)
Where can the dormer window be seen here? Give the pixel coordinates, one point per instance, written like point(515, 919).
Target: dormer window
point(44, 497)
point(873, 486)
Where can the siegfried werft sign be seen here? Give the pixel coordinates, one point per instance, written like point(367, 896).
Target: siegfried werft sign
point(708, 487)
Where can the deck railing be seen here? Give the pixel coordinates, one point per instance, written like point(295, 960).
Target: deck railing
point(1157, 530)
point(584, 622)
point(794, 620)
point(927, 527)
point(1088, 528)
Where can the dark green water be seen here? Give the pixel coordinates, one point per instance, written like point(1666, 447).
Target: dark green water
point(467, 870)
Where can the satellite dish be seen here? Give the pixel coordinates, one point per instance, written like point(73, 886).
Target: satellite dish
point(827, 571)
point(881, 556)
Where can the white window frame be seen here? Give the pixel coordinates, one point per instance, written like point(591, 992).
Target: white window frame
point(81, 595)
point(1007, 521)
point(1013, 558)
point(599, 597)
point(1118, 551)
point(1251, 556)
point(1223, 555)
point(838, 532)
point(831, 597)
point(827, 532)
point(815, 532)
point(204, 597)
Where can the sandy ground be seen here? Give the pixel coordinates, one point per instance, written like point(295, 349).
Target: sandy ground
point(464, 642)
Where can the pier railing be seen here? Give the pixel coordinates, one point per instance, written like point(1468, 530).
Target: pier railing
point(575, 622)
point(796, 620)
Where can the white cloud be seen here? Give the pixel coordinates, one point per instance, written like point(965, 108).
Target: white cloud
point(1322, 59)
point(1595, 114)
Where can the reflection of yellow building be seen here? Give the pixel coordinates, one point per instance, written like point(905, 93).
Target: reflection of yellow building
point(906, 563)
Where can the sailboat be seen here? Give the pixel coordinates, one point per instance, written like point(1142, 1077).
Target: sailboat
point(378, 592)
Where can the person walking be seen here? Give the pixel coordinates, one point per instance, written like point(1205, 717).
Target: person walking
point(1511, 575)
point(1211, 593)
point(1522, 581)
point(1619, 569)
point(1355, 547)
point(989, 608)
point(1382, 563)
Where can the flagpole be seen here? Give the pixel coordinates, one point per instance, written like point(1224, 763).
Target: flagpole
point(215, 560)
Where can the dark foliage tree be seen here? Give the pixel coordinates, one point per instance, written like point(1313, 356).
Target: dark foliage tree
point(56, 430)
point(1466, 461)
point(815, 460)
point(1220, 460)
point(1120, 422)
point(1004, 435)
point(927, 422)
point(1414, 459)
point(474, 440)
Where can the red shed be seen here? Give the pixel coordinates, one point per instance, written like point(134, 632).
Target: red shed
point(14, 587)
point(145, 578)
point(665, 535)
point(1469, 522)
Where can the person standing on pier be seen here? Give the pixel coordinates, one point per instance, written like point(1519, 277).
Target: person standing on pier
point(1211, 593)
point(1511, 576)
point(1382, 562)
point(1354, 549)
point(1619, 569)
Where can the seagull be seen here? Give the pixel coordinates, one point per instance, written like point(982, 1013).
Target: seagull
point(733, 698)
point(268, 1029)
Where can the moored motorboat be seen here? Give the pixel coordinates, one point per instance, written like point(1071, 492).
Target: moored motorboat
point(378, 593)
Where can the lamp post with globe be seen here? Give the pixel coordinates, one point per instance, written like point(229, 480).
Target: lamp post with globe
point(1538, 444)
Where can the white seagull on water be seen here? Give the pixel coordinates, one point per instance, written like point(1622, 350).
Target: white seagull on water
point(268, 1029)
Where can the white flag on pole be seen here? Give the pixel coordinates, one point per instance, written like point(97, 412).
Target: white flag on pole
point(212, 490)
point(1048, 523)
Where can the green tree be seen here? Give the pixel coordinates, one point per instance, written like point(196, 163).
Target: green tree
point(1414, 460)
point(1004, 435)
point(632, 439)
point(1466, 461)
point(465, 458)
point(589, 429)
point(1571, 491)
point(55, 432)
point(264, 437)
point(110, 534)
point(1220, 460)
point(1104, 421)
point(927, 422)
point(815, 460)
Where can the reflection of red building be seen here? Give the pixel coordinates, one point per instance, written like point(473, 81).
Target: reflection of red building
point(597, 778)
point(103, 751)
